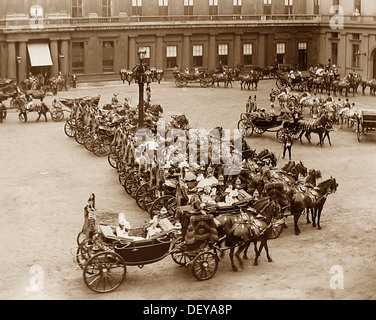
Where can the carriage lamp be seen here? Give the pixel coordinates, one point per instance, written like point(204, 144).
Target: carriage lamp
point(238, 183)
point(221, 180)
point(141, 53)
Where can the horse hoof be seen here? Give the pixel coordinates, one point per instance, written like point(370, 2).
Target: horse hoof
point(245, 257)
point(308, 222)
point(255, 263)
point(235, 269)
point(318, 228)
point(297, 233)
point(314, 225)
point(270, 260)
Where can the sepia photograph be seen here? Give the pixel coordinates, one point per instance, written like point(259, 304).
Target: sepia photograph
point(186, 155)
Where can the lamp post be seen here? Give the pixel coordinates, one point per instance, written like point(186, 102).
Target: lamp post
point(140, 76)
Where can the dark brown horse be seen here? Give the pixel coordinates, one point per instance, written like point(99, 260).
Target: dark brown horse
point(239, 231)
point(313, 198)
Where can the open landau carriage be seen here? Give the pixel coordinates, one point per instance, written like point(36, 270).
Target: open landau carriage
point(103, 256)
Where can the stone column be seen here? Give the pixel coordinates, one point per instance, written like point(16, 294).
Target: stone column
point(132, 52)
point(12, 67)
point(186, 52)
point(22, 67)
point(55, 58)
point(212, 53)
point(159, 53)
point(237, 50)
point(65, 52)
point(261, 51)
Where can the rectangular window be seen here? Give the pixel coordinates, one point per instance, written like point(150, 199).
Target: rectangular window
point(223, 53)
point(288, 6)
point(213, 7)
point(171, 55)
point(281, 51)
point(356, 55)
point(78, 57)
point(247, 53)
point(77, 8)
point(107, 8)
point(136, 7)
point(237, 6)
point(188, 7)
point(335, 2)
point(197, 55)
point(334, 53)
point(356, 36)
point(302, 46)
point(108, 56)
point(163, 7)
point(267, 7)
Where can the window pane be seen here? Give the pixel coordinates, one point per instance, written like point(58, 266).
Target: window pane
point(197, 50)
point(171, 51)
point(281, 49)
point(223, 49)
point(247, 48)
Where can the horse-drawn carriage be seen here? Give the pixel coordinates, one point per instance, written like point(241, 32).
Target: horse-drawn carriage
point(202, 77)
point(261, 122)
point(365, 122)
point(105, 250)
point(298, 81)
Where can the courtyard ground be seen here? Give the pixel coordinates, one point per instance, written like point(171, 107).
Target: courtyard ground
point(47, 177)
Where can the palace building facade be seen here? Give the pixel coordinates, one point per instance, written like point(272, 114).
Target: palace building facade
point(96, 38)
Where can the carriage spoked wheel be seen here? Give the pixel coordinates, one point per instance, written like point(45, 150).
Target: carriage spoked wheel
point(180, 83)
point(79, 136)
point(246, 128)
point(88, 143)
point(141, 193)
point(70, 128)
point(57, 114)
point(276, 229)
point(81, 237)
point(205, 265)
point(102, 146)
point(169, 202)
point(112, 159)
point(128, 181)
point(177, 255)
point(104, 272)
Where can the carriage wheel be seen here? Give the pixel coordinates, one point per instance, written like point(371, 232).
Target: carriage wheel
point(102, 146)
point(89, 143)
point(79, 136)
point(279, 135)
point(112, 159)
point(169, 202)
point(141, 193)
point(128, 181)
point(178, 256)
point(180, 83)
point(149, 199)
point(203, 83)
point(245, 127)
point(276, 230)
point(204, 266)
point(81, 237)
point(57, 114)
point(104, 272)
point(69, 128)
point(84, 251)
